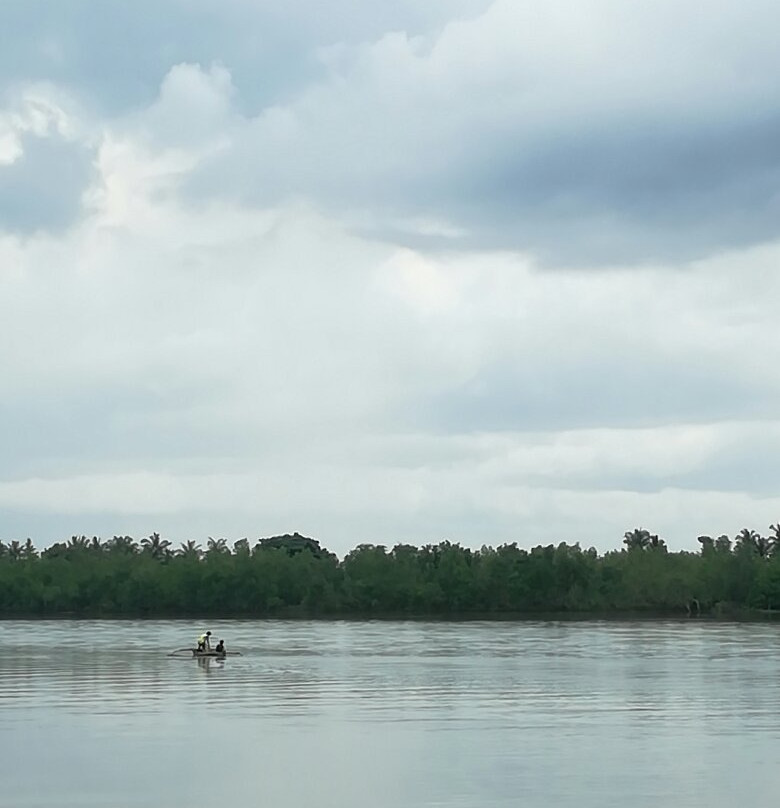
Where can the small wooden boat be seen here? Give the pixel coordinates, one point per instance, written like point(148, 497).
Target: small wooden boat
point(209, 654)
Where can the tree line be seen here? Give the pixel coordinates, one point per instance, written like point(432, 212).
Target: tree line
point(293, 575)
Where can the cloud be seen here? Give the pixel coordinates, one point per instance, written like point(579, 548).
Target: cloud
point(116, 58)
point(581, 133)
point(483, 271)
point(225, 370)
point(45, 162)
point(193, 106)
point(528, 487)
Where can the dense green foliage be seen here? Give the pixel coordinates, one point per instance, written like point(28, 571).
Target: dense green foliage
point(294, 576)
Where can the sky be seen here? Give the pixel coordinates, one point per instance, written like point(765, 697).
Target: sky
point(476, 270)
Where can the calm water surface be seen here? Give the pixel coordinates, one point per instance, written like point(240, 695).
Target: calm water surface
point(94, 713)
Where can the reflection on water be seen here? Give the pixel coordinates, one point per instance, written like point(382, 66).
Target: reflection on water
point(390, 714)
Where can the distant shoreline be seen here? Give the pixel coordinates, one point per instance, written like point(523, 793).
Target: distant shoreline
point(735, 616)
point(292, 577)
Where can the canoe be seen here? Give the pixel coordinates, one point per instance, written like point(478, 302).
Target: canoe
point(196, 654)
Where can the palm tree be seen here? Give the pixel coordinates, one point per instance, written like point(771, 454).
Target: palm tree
point(217, 547)
point(15, 550)
point(775, 540)
point(656, 543)
point(156, 547)
point(77, 543)
point(122, 545)
point(637, 539)
point(764, 546)
point(28, 550)
point(750, 541)
point(241, 547)
point(190, 549)
point(96, 546)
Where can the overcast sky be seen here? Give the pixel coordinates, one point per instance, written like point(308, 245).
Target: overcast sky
point(475, 270)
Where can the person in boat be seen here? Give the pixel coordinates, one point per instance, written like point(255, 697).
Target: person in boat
point(204, 643)
point(220, 649)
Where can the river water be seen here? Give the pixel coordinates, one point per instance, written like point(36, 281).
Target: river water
point(381, 714)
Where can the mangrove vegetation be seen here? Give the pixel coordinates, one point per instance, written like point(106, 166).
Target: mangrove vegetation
point(293, 576)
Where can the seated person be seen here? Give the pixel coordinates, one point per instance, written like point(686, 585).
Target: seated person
point(220, 649)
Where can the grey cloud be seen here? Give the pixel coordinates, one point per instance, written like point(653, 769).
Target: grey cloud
point(635, 193)
point(564, 159)
point(117, 429)
point(615, 392)
point(672, 191)
point(752, 465)
point(42, 189)
point(157, 340)
point(115, 53)
point(580, 163)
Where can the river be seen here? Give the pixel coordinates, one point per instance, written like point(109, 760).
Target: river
point(589, 714)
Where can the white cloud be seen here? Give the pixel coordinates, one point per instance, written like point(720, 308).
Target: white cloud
point(194, 106)
point(221, 341)
point(268, 368)
point(10, 147)
point(39, 110)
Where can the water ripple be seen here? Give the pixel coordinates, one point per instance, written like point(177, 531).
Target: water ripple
point(504, 700)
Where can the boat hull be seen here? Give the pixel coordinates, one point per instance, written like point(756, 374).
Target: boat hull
point(195, 653)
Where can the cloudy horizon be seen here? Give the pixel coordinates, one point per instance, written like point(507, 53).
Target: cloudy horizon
point(477, 270)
